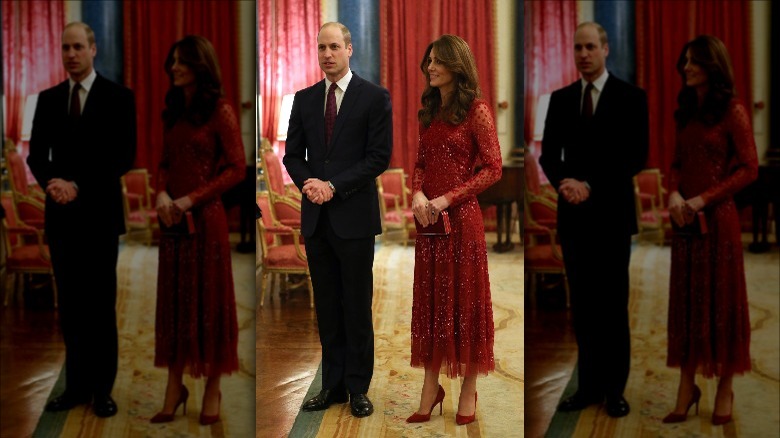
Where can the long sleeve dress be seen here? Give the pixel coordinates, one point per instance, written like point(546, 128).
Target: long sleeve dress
point(709, 323)
point(452, 315)
point(196, 323)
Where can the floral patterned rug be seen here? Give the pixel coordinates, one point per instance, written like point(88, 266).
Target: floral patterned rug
point(652, 387)
point(140, 387)
point(395, 387)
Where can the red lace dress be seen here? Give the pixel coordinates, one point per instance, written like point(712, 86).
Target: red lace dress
point(196, 324)
point(452, 314)
point(709, 324)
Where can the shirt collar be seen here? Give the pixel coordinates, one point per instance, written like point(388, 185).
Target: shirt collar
point(598, 84)
point(341, 83)
point(86, 84)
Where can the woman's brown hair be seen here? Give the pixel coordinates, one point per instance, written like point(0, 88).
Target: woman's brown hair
point(709, 53)
point(197, 53)
point(456, 56)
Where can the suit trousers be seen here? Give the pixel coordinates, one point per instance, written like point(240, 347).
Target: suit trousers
point(342, 278)
point(597, 267)
point(85, 271)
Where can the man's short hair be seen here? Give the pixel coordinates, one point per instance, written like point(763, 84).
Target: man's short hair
point(344, 31)
point(88, 30)
point(599, 29)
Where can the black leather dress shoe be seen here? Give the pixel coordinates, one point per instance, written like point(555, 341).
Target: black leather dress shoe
point(104, 406)
point(578, 402)
point(325, 398)
point(361, 405)
point(66, 402)
point(617, 407)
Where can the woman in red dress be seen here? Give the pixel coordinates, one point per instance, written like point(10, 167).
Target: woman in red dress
point(452, 315)
point(715, 157)
point(196, 326)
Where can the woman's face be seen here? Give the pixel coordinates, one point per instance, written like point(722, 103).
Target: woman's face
point(440, 77)
point(695, 76)
point(183, 76)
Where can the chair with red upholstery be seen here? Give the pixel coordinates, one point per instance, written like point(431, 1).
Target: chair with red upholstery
point(277, 258)
point(285, 199)
point(652, 213)
point(533, 178)
point(394, 206)
point(542, 251)
point(29, 199)
point(140, 214)
point(27, 252)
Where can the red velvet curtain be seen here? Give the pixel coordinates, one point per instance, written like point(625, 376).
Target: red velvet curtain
point(32, 58)
point(662, 28)
point(405, 32)
point(287, 54)
point(549, 53)
point(549, 56)
point(150, 29)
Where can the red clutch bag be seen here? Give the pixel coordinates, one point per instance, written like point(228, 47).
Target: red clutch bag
point(440, 228)
point(185, 227)
point(696, 228)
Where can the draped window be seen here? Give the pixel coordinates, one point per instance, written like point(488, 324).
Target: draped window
point(150, 29)
point(405, 32)
point(32, 59)
point(549, 55)
point(287, 54)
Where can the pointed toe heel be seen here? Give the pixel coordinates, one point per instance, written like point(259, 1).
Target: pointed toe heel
point(719, 420)
point(422, 418)
point(162, 417)
point(679, 418)
point(206, 420)
point(461, 420)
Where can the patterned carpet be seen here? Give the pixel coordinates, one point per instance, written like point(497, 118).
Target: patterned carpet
point(396, 386)
point(652, 387)
point(140, 386)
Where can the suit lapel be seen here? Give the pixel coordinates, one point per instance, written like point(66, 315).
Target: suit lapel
point(319, 112)
point(605, 100)
point(62, 97)
point(347, 104)
point(93, 96)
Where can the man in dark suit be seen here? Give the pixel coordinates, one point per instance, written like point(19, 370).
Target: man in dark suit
point(338, 141)
point(595, 141)
point(83, 140)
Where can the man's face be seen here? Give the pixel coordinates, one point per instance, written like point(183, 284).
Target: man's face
point(333, 53)
point(77, 54)
point(589, 55)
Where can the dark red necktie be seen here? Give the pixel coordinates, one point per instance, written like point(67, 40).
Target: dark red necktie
point(75, 102)
point(587, 102)
point(330, 113)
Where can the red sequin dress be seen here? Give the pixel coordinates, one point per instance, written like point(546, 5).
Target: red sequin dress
point(709, 323)
point(452, 314)
point(196, 323)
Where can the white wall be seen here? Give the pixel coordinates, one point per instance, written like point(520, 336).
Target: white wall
point(247, 58)
point(506, 77)
point(760, 60)
point(72, 10)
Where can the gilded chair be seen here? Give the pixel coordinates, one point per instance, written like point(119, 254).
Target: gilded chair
point(542, 250)
point(27, 253)
point(285, 199)
point(396, 214)
point(652, 213)
point(140, 214)
point(277, 258)
point(29, 199)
